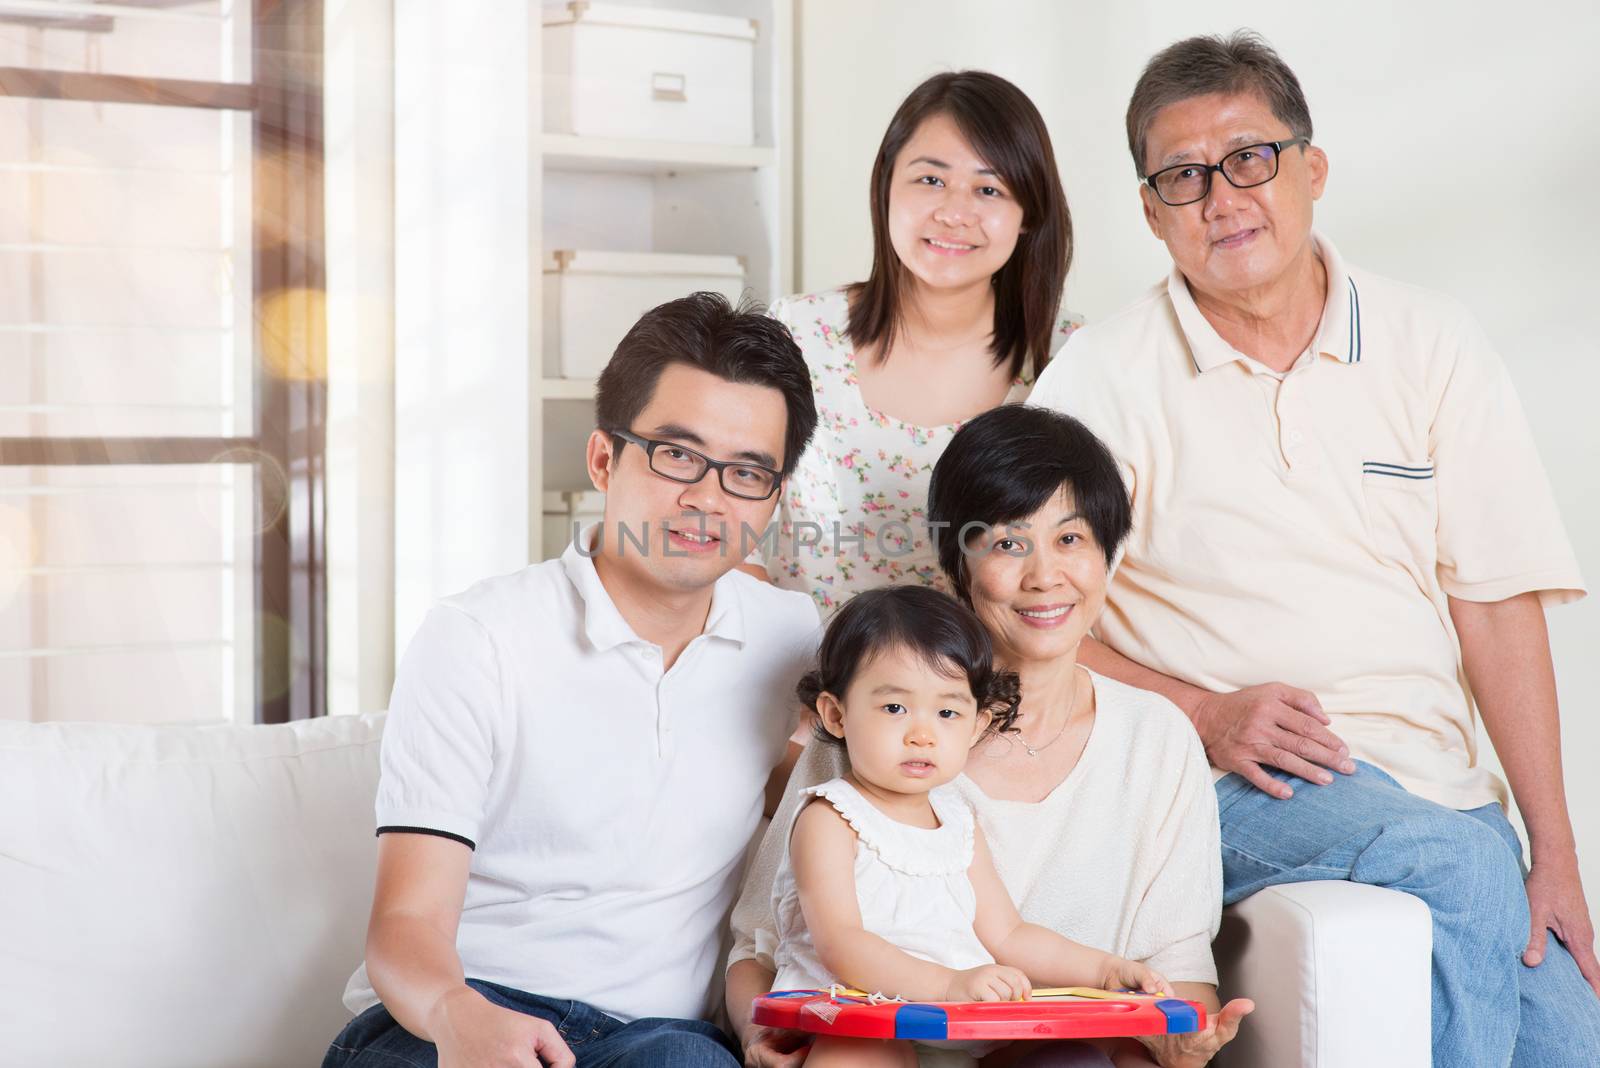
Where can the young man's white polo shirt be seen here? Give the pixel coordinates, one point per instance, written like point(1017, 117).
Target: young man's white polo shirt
point(1309, 527)
point(608, 803)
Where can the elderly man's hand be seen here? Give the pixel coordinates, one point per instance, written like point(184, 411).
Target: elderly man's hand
point(1271, 726)
point(1556, 903)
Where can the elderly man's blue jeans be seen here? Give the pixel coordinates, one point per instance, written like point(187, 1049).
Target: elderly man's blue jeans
point(1489, 1008)
point(375, 1040)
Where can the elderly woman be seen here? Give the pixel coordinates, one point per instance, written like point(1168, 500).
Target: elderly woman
point(1099, 809)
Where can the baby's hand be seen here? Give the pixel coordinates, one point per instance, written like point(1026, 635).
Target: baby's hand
point(1131, 975)
point(991, 982)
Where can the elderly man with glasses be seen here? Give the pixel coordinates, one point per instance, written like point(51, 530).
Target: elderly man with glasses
point(1343, 542)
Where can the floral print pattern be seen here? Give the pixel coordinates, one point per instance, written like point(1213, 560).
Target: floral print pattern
point(853, 515)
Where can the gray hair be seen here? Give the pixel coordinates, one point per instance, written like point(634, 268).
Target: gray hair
point(1241, 62)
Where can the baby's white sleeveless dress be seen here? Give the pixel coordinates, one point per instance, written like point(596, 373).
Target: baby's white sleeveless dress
point(912, 888)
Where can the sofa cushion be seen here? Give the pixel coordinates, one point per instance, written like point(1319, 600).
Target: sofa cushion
point(1340, 973)
point(175, 896)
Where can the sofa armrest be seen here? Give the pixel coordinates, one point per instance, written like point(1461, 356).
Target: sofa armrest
point(1340, 973)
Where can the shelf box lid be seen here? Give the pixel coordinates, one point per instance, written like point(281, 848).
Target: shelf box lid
point(580, 502)
point(649, 18)
point(573, 261)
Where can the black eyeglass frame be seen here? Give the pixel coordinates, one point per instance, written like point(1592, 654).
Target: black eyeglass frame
point(650, 445)
point(1278, 148)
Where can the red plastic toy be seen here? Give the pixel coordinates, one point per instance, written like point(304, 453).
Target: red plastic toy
point(1071, 1013)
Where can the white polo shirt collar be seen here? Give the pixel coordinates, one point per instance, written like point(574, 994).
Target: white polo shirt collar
point(604, 626)
point(1338, 334)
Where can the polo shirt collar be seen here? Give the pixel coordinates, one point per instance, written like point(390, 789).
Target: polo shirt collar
point(604, 626)
point(1338, 335)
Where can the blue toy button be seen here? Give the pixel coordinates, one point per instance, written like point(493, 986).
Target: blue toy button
point(922, 1021)
point(1181, 1017)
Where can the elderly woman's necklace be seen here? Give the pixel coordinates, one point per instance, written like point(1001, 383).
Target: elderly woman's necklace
point(1035, 750)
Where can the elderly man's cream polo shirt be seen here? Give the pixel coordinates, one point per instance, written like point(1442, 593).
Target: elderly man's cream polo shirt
point(1307, 527)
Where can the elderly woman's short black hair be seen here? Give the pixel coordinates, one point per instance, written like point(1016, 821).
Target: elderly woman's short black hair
point(1006, 464)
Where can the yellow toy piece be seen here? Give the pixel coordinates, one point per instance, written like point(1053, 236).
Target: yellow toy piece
point(1044, 994)
point(1091, 992)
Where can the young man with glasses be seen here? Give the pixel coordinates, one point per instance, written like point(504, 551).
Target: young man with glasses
point(575, 755)
point(1334, 486)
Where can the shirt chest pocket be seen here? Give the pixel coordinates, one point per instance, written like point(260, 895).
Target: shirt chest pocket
point(1402, 505)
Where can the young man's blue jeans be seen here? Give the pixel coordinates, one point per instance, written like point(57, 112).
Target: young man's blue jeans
point(1488, 1007)
point(375, 1040)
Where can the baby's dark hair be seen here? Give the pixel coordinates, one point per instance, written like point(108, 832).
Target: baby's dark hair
point(936, 627)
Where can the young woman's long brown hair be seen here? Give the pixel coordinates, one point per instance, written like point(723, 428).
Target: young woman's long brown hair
point(1007, 132)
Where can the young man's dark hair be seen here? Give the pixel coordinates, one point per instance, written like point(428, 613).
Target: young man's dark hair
point(703, 330)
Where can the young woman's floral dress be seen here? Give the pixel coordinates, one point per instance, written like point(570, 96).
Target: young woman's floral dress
point(854, 514)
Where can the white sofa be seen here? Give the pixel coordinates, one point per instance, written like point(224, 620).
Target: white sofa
point(195, 897)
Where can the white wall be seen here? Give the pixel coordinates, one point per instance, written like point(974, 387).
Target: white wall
point(464, 311)
point(1462, 142)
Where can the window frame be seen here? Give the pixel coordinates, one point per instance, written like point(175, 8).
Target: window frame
point(289, 413)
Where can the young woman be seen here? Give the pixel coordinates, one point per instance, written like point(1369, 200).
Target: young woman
point(971, 244)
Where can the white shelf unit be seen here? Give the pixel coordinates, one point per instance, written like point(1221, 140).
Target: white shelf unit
point(568, 388)
point(566, 152)
point(659, 196)
point(481, 194)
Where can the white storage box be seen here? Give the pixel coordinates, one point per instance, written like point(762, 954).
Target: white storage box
point(563, 510)
point(591, 299)
point(648, 74)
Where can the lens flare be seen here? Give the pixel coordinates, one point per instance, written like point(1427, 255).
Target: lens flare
point(292, 325)
point(16, 550)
